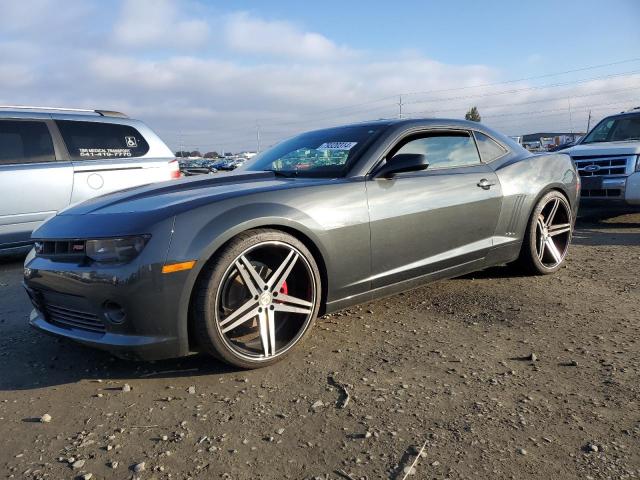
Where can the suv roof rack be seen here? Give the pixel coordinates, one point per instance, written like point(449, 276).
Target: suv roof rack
point(102, 113)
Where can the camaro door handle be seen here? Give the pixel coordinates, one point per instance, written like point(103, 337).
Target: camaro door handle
point(485, 184)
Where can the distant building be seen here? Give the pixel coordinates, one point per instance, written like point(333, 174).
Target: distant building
point(547, 140)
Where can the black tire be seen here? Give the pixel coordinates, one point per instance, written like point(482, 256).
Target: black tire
point(529, 260)
point(207, 307)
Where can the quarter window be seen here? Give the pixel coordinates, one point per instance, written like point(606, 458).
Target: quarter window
point(444, 149)
point(95, 140)
point(25, 142)
point(489, 148)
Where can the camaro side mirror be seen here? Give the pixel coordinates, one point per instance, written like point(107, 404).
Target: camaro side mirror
point(403, 162)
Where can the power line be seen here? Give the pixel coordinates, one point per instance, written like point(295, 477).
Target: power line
point(526, 89)
point(271, 133)
point(537, 77)
point(389, 97)
point(555, 113)
point(529, 102)
point(563, 110)
point(472, 96)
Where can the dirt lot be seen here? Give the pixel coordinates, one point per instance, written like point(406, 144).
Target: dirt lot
point(449, 365)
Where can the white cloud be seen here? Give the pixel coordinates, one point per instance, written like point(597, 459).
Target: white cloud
point(156, 24)
point(137, 62)
point(247, 34)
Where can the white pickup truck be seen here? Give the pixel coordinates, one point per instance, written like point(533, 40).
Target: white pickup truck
point(608, 160)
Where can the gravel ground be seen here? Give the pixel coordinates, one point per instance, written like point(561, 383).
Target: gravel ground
point(495, 374)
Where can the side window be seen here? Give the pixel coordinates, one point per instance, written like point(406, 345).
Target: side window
point(444, 149)
point(489, 149)
point(95, 140)
point(25, 142)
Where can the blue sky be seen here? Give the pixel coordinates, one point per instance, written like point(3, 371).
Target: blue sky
point(207, 74)
point(502, 33)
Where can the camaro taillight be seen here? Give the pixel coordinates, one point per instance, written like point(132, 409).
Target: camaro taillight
point(174, 168)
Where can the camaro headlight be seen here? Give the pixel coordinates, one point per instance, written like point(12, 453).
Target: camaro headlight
point(115, 250)
point(638, 164)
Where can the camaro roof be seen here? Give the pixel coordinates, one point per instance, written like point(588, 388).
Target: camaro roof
point(387, 122)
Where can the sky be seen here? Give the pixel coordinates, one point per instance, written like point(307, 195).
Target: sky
point(211, 76)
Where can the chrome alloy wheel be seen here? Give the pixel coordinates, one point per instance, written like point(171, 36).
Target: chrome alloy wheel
point(265, 301)
point(553, 232)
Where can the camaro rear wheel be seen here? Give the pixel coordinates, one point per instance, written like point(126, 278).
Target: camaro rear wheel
point(548, 235)
point(259, 299)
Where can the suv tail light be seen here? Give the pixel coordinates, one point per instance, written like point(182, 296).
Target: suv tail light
point(174, 168)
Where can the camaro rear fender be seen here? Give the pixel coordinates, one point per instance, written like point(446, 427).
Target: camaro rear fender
point(525, 181)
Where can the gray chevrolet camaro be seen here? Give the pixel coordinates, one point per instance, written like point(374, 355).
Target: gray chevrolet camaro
point(240, 265)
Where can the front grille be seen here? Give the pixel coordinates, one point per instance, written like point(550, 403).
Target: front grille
point(71, 249)
point(601, 166)
point(601, 192)
point(71, 318)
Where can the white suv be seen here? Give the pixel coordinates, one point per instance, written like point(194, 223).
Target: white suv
point(608, 160)
point(53, 157)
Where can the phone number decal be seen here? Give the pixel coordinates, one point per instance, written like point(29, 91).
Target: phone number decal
point(104, 152)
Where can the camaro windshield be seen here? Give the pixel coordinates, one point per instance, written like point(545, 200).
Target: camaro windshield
point(618, 129)
point(323, 153)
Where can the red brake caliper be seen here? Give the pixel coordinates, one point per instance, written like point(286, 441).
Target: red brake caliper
point(284, 290)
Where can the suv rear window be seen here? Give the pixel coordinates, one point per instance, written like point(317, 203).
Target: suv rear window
point(25, 142)
point(94, 140)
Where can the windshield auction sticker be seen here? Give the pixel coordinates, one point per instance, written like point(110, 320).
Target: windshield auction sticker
point(337, 146)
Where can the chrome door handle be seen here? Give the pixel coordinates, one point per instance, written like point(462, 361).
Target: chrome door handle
point(485, 184)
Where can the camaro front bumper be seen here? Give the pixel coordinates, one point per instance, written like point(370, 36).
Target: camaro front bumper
point(130, 310)
point(136, 347)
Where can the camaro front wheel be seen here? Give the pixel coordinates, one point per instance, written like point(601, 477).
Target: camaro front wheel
point(258, 299)
point(548, 235)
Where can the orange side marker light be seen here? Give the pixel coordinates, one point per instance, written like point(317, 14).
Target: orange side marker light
point(178, 267)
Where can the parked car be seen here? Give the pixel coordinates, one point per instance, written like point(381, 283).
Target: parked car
point(231, 164)
point(557, 148)
point(51, 158)
point(196, 166)
point(239, 265)
point(608, 161)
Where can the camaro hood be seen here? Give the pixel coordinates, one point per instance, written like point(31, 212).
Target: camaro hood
point(174, 196)
point(608, 148)
point(135, 210)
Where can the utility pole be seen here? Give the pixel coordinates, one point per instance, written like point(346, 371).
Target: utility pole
point(589, 121)
point(400, 107)
point(257, 137)
point(570, 117)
